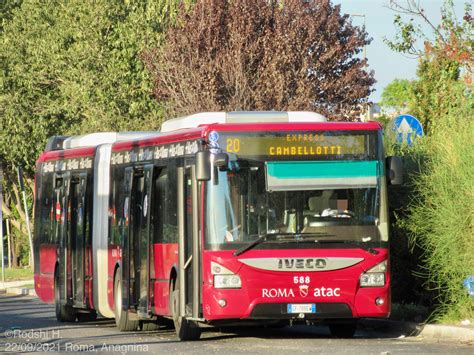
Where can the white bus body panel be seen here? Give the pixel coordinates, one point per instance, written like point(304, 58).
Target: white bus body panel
point(95, 139)
point(100, 230)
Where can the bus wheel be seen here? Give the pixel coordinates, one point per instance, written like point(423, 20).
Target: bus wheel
point(343, 330)
point(122, 321)
point(87, 317)
point(185, 329)
point(64, 313)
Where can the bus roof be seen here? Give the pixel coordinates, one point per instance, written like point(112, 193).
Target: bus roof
point(198, 126)
point(207, 118)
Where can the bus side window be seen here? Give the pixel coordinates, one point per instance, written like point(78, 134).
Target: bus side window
point(164, 221)
point(116, 206)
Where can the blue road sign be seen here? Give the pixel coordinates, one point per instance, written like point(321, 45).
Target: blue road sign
point(407, 128)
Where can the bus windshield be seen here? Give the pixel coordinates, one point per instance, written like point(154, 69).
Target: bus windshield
point(240, 209)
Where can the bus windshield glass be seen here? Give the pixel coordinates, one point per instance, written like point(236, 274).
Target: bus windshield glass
point(240, 208)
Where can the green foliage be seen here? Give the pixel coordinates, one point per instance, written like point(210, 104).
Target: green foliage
point(71, 67)
point(406, 36)
point(452, 38)
point(6, 9)
point(397, 95)
point(18, 274)
point(439, 96)
point(407, 287)
point(435, 207)
point(441, 218)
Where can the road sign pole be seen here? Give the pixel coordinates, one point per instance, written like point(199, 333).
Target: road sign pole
point(9, 248)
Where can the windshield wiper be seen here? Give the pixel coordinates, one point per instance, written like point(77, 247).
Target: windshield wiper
point(256, 242)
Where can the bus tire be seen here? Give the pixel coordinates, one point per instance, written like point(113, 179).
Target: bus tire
point(122, 320)
point(343, 330)
point(64, 313)
point(185, 329)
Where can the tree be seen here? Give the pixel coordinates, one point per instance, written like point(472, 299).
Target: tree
point(452, 39)
point(443, 89)
point(439, 217)
point(262, 55)
point(73, 67)
point(397, 95)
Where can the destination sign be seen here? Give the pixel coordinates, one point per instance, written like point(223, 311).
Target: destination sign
point(296, 144)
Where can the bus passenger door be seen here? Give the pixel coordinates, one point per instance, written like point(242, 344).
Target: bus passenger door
point(60, 213)
point(126, 260)
point(144, 306)
point(131, 251)
point(77, 236)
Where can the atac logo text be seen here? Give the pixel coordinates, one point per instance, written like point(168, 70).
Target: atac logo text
point(319, 292)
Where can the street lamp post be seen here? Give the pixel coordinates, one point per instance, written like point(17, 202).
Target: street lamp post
point(363, 16)
point(366, 114)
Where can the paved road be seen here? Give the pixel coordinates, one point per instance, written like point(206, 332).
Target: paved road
point(29, 326)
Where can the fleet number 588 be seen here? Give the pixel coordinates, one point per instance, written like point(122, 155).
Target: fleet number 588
point(301, 279)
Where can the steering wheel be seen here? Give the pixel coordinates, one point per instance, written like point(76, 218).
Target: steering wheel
point(346, 214)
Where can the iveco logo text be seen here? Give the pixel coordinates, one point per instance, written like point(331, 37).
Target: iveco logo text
point(304, 263)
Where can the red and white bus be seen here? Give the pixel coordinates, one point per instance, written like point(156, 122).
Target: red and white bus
point(218, 219)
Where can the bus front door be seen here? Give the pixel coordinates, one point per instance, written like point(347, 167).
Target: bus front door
point(189, 278)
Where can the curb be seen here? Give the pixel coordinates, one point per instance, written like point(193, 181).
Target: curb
point(9, 284)
point(20, 291)
point(448, 332)
point(15, 288)
point(426, 331)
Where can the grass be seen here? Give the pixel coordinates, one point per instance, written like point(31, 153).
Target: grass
point(441, 220)
point(18, 274)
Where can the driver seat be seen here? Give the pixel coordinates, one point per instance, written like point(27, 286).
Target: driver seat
point(318, 204)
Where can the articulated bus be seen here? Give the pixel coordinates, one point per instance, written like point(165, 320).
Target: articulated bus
point(219, 219)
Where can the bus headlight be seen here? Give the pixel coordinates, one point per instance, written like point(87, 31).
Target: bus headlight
point(224, 278)
point(227, 281)
point(374, 277)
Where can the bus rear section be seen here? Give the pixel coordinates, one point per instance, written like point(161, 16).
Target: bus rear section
point(62, 239)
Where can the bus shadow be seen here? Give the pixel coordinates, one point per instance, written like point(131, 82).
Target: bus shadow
point(364, 331)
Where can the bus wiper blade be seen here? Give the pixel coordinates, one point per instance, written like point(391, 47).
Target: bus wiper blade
point(256, 242)
point(313, 235)
point(275, 236)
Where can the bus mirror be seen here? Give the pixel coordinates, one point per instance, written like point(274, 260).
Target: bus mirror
point(394, 168)
point(221, 160)
point(203, 166)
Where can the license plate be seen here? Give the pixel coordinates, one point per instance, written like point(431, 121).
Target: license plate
point(302, 308)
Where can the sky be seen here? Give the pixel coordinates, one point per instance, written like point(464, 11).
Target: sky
point(389, 65)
